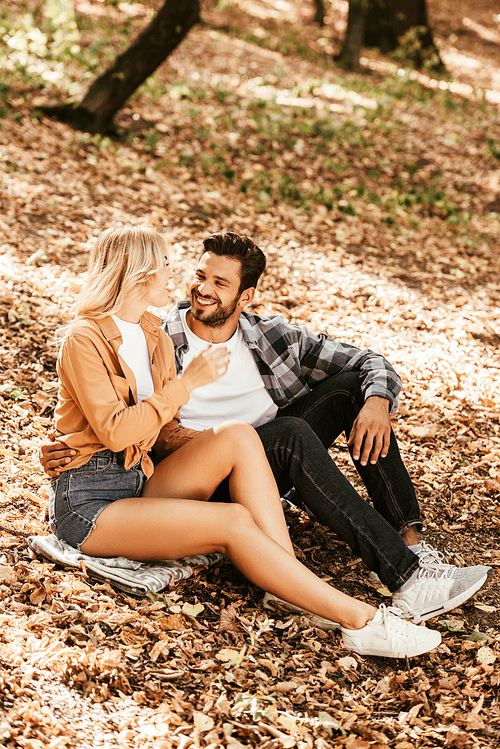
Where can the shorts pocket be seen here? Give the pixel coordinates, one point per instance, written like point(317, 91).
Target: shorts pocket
point(109, 485)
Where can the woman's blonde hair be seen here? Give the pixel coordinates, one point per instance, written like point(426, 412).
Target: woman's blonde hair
point(123, 259)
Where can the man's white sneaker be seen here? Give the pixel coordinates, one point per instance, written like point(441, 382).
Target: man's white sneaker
point(426, 554)
point(273, 603)
point(437, 588)
point(390, 636)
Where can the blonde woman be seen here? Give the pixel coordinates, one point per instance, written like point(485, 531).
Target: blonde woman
point(118, 399)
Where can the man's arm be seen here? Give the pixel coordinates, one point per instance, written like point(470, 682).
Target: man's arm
point(322, 356)
point(54, 455)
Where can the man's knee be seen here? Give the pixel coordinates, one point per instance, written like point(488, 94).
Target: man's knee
point(349, 382)
point(342, 388)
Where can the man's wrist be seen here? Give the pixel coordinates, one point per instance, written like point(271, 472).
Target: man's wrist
point(382, 399)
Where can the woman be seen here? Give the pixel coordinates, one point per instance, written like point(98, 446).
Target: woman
point(118, 399)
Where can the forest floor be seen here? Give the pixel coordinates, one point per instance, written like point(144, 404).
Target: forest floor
point(376, 198)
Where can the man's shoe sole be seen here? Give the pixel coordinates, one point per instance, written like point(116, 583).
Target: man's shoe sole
point(272, 603)
point(430, 612)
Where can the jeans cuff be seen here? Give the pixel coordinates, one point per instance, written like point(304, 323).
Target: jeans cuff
point(417, 524)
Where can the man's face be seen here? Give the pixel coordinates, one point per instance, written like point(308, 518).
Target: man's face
point(215, 289)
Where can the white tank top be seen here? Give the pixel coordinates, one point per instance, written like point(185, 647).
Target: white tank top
point(134, 352)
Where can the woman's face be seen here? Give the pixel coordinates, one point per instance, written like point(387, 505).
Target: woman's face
point(157, 291)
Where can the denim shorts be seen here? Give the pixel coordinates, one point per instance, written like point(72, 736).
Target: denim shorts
point(79, 495)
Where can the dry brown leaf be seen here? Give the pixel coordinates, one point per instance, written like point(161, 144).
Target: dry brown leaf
point(193, 609)
point(202, 722)
point(172, 622)
point(485, 655)
point(7, 574)
point(228, 619)
point(284, 687)
point(227, 654)
point(347, 662)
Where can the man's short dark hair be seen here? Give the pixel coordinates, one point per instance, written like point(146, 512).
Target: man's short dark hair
point(251, 257)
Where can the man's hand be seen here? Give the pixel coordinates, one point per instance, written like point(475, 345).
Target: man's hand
point(53, 455)
point(371, 432)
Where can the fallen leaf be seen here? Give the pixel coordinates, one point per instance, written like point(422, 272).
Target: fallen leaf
point(202, 722)
point(50, 385)
point(7, 574)
point(478, 637)
point(328, 722)
point(158, 649)
point(290, 724)
point(38, 596)
point(222, 705)
point(454, 625)
point(268, 664)
point(484, 607)
point(485, 656)
point(22, 412)
point(347, 662)
point(227, 654)
point(110, 658)
point(384, 591)
point(227, 620)
point(173, 622)
point(284, 686)
point(422, 432)
point(193, 609)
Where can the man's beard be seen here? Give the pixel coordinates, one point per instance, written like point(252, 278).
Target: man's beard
point(217, 317)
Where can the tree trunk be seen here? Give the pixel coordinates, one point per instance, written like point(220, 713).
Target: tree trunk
point(387, 21)
point(348, 57)
point(319, 12)
point(111, 89)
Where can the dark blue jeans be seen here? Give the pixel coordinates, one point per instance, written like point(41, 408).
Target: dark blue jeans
point(330, 410)
point(296, 444)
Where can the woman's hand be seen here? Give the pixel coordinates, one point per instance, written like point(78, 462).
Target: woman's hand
point(206, 367)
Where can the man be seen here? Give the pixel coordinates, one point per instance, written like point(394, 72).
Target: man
point(300, 391)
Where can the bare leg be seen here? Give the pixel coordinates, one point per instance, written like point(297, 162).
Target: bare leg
point(154, 528)
point(231, 449)
point(251, 532)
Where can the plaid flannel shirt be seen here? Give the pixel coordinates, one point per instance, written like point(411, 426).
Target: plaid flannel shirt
point(291, 360)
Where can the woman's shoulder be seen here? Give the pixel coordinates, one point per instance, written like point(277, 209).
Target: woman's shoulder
point(92, 329)
point(87, 325)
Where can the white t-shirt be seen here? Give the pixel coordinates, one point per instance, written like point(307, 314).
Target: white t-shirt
point(134, 352)
point(238, 394)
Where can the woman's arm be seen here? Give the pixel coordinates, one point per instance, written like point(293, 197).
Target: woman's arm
point(102, 399)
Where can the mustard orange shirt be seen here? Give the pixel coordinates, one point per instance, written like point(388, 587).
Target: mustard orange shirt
point(97, 401)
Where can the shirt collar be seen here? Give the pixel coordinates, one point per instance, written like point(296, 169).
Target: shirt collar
point(173, 323)
point(111, 332)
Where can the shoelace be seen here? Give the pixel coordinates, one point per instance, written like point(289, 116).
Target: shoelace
point(431, 570)
point(392, 619)
point(431, 557)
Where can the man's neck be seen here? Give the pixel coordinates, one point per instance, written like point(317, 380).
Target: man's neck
point(212, 334)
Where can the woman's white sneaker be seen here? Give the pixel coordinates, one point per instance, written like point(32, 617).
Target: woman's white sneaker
point(390, 636)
